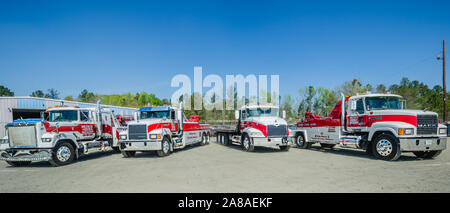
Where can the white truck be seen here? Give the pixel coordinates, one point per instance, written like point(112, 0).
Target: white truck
point(257, 125)
point(377, 123)
point(162, 129)
point(61, 138)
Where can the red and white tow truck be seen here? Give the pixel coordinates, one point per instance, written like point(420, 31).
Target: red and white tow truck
point(162, 129)
point(61, 138)
point(377, 123)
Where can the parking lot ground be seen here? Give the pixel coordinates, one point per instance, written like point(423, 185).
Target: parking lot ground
point(216, 168)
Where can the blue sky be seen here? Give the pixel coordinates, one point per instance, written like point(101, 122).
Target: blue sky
point(132, 46)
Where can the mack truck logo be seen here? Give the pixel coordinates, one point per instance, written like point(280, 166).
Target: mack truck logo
point(426, 125)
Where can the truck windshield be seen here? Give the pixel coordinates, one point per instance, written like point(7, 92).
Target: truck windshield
point(155, 114)
point(380, 103)
point(63, 115)
point(262, 112)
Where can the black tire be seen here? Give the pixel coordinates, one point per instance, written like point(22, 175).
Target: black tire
point(386, 147)
point(327, 145)
point(285, 148)
point(428, 154)
point(18, 163)
point(128, 154)
point(247, 145)
point(203, 141)
point(224, 137)
point(165, 148)
point(63, 154)
point(301, 143)
point(116, 149)
point(208, 138)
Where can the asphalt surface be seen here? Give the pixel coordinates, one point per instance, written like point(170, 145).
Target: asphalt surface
point(216, 168)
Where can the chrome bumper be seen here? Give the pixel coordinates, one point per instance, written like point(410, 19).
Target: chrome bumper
point(145, 145)
point(270, 142)
point(26, 155)
point(423, 144)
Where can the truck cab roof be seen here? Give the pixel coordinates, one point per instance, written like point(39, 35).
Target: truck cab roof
point(375, 95)
point(258, 106)
point(151, 109)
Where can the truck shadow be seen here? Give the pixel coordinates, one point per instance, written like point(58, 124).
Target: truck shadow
point(356, 153)
point(256, 150)
point(82, 158)
point(153, 154)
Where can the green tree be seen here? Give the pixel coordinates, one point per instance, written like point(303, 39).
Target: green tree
point(37, 93)
point(4, 91)
point(68, 98)
point(381, 88)
point(52, 93)
point(86, 96)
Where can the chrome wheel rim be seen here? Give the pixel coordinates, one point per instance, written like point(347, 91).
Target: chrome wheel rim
point(165, 147)
point(246, 143)
point(384, 147)
point(63, 153)
point(300, 141)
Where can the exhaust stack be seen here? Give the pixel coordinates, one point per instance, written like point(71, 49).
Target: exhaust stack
point(343, 110)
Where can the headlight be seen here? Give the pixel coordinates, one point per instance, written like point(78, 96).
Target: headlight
point(123, 137)
point(442, 131)
point(46, 140)
point(155, 136)
point(407, 131)
point(256, 134)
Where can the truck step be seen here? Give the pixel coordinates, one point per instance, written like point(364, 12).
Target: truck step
point(350, 141)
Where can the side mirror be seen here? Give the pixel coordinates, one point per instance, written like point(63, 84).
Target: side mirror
point(236, 114)
point(43, 115)
point(136, 116)
point(353, 105)
point(284, 114)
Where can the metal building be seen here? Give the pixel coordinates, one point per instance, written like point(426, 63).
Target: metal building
point(12, 108)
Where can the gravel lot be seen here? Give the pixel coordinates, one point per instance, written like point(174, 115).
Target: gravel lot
point(216, 168)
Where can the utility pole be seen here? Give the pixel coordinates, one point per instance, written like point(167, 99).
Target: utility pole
point(443, 80)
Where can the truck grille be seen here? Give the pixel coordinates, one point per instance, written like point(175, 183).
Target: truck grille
point(137, 132)
point(276, 131)
point(22, 136)
point(427, 124)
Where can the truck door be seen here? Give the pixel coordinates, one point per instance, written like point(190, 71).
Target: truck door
point(355, 120)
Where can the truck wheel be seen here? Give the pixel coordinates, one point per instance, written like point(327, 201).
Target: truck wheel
point(247, 143)
point(63, 154)
point(327, 145)
point(428, 155)
point(386, 147)
point(301, 143)
point(128, 154)
point(114, 148)
point(208, 138)
point(285, 148)
point(165, 148)
point(203, 142)
point(18, 163)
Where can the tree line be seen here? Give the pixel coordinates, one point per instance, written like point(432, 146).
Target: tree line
point(319, 100)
